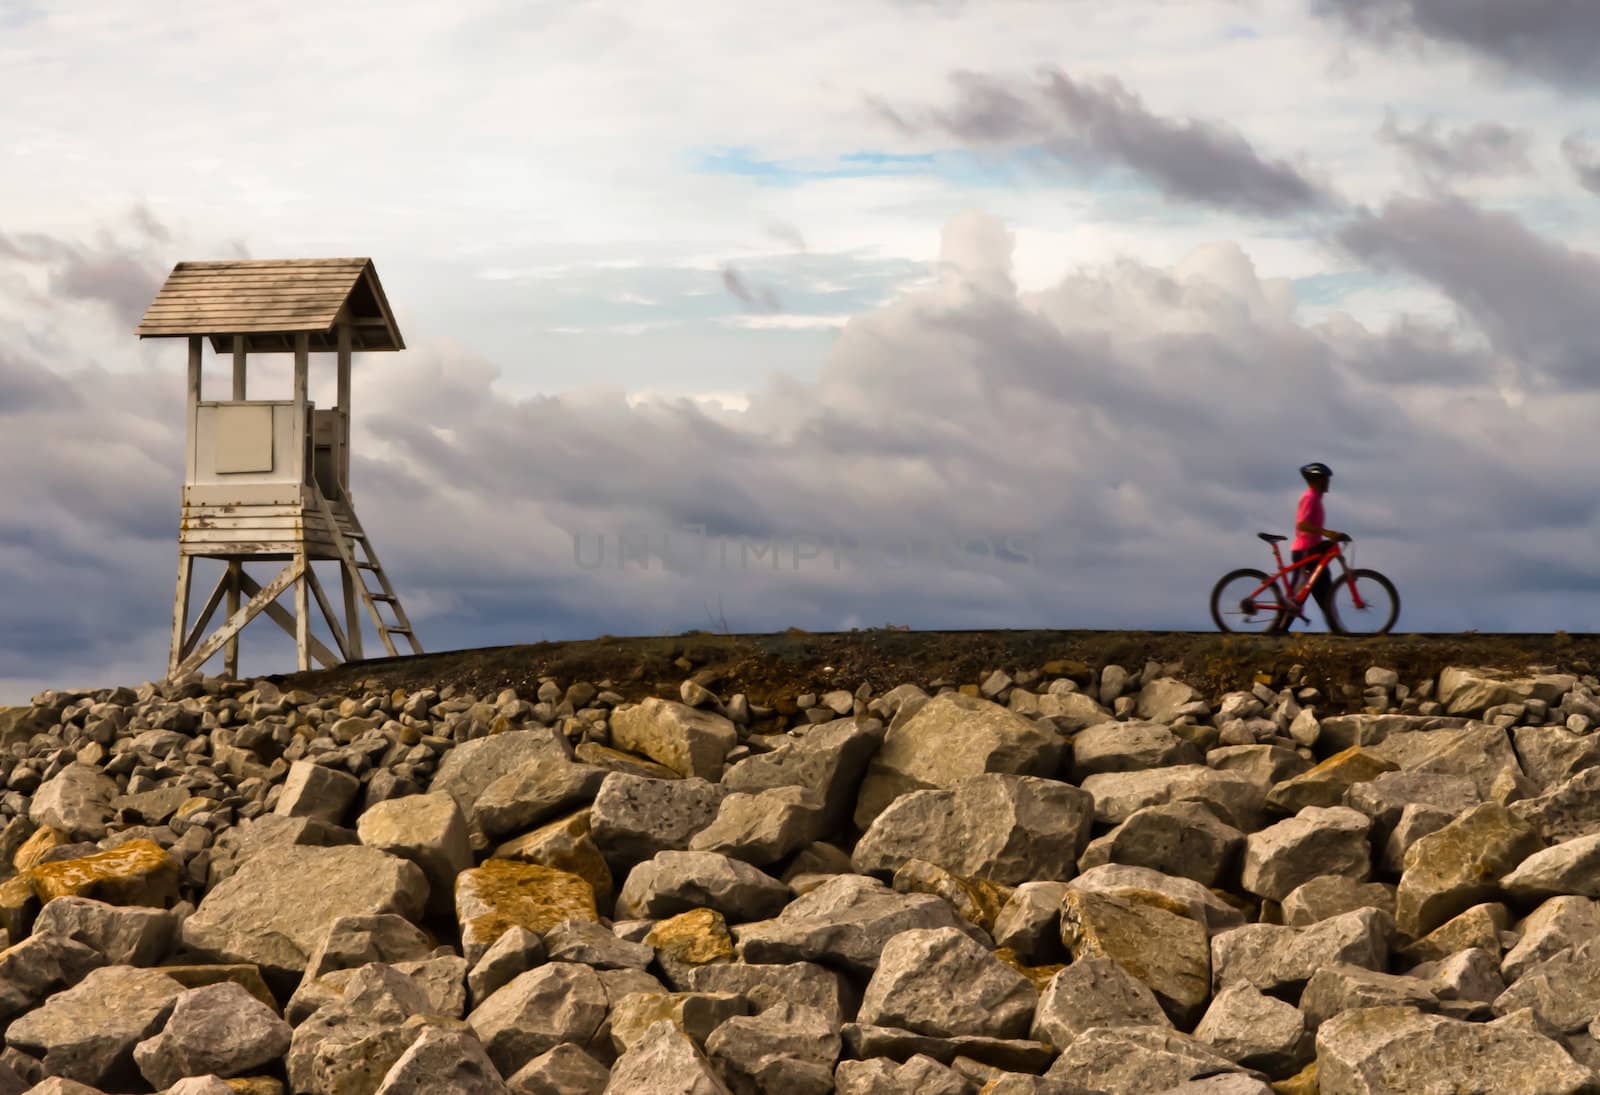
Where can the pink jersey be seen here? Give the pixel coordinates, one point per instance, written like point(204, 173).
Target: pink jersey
point(1309, 509)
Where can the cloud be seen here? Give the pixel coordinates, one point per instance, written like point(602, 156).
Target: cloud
point(1484, 148)
point(1104, 123)
point(1584, 159)
point(1092, 454)
point(1554, 40)
point(756, 298)
point(1536, 300)
point(121, 277)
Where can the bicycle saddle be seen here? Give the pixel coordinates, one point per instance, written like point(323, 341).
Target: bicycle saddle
point(1271, 537)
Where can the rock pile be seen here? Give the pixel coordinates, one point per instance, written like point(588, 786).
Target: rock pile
point(1065, 880)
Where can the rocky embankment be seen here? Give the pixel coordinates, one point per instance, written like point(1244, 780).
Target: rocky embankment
point(1061, 880)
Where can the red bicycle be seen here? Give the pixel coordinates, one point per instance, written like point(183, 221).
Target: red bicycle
point(1364, 602)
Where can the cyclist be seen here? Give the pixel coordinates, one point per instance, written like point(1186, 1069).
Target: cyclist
point(1312, 537)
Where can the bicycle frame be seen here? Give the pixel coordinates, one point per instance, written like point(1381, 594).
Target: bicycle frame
point(1298, 599)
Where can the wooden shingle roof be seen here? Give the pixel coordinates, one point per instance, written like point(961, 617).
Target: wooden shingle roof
point(266, 302)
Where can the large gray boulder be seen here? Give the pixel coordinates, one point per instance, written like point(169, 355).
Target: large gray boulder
point(88, 1032)
point(1162, 699)
point(675, 882)
point(38, 966)
point(280, 904)
point(845, 922)
point(1568, 810)
point(1557, 924)
point(535, 793)
point(431, 832)
point(829, 761)
point(789, 1048)
point(446, 1062)
point(1093, 992)
point(1336, 989)
point(686, 739)
point(1280, 960)
point(1201, 904)
point(126, 935)
point(470, 767)
point(1005, 828)
point(1239, 800)
point(1137, 1060)
point(1476, 751)
point(537, 1011)
point(771, 985)
point(349, 1045)
point(1314, 843)
point(765, 827)
point(77, 800)
point(217, 1030)
point(1467, 690)
point(1460, 865)
point(950, 737)
point(664, 1062)
point(635, 817)
point(1571, 867)
point(1029, 924)
point(1141, 932)
point(939, 982)
point(317, 791)
point(1375, 1051)
point(1129, 747)
point(565, 1070)
point(1256, 1030)
point(1563, 991)
point(1178, 838)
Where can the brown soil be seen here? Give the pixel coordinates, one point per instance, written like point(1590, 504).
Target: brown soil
point(773, 666)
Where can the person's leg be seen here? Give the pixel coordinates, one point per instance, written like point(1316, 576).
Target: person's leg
point(1322, 591)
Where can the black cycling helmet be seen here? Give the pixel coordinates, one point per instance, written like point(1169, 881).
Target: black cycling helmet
point(1316, 470)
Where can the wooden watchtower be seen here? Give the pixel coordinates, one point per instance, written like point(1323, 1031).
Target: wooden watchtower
point(269, 480)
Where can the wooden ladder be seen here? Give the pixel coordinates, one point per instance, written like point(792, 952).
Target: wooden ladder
point(359, 566)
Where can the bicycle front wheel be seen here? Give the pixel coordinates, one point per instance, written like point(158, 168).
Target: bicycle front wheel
point(1364, 603)
point(1247, 601)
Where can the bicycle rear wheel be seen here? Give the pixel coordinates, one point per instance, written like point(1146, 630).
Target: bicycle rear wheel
point(1379, 608)
point(1247, 601)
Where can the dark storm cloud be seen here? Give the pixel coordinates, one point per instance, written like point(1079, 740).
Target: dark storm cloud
point(1104, 123)
point(1584, 159)
point(1554, 40)
point(1536, 299)
point(1132, 425)
point(1484, 148)
point(122, 277)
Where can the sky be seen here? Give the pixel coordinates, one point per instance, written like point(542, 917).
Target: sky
point(750, 315)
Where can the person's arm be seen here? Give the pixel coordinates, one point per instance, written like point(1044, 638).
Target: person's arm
point(1317, 530)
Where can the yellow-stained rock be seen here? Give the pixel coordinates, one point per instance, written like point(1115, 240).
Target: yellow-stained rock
point(34, 848)
point(244, 974)
point(978, 900)
point(696, 938)
point(1326, 784)
point(255, 1085)
point(196, 805)
point(1040, 976)
point(18, 906)
point(139, 872)
point(1303, 1082)
point(503, 894)
point(1149, 935)
point(566, 846)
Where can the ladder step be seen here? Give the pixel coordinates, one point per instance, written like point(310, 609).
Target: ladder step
point(366, 566)
point(398, 630)
point(390, 598)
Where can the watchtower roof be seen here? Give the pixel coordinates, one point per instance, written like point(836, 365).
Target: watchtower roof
point(267, 302)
